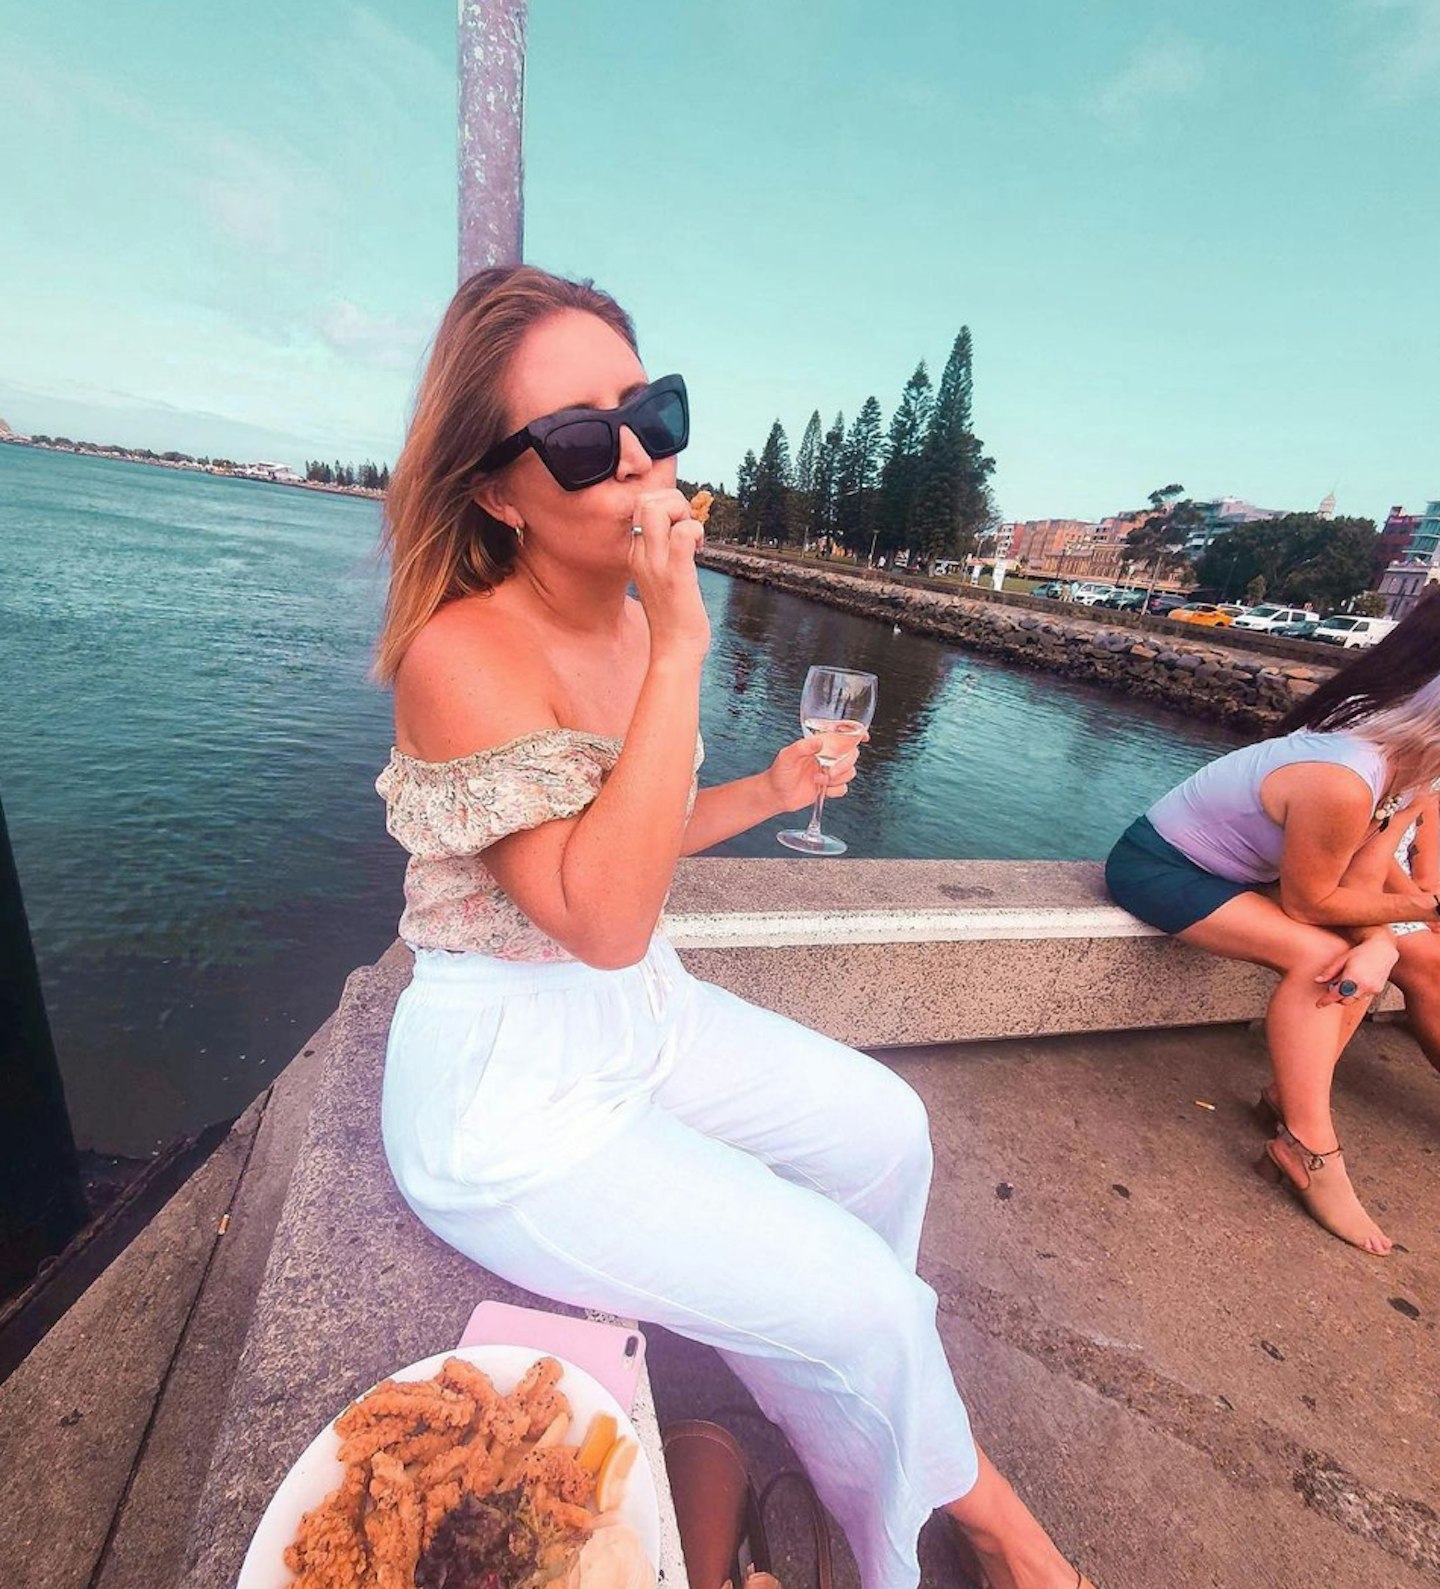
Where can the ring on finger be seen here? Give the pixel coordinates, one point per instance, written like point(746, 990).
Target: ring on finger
point(637, 529)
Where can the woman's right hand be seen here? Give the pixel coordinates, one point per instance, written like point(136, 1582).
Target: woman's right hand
point(662, 564)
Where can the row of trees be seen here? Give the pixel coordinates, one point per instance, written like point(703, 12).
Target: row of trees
point(371, 476)
point(921, 484)
point(1300, 558)
point(116, 450)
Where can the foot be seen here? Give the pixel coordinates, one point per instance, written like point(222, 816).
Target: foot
point(1007, 1547)
point(1322, 1184)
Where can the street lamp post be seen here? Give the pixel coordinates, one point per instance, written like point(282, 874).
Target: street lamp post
point(490, 150)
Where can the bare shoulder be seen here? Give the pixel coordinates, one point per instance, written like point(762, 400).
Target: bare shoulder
point(1318, 791)
point(469, 680)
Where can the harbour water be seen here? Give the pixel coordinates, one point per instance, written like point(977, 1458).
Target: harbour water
point(189, 742)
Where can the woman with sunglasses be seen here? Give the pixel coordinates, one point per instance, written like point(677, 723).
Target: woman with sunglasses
point(1316, 808)
point(563, 1102)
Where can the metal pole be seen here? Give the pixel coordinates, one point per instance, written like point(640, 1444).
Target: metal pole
point(41, 1201)
point(491, 128)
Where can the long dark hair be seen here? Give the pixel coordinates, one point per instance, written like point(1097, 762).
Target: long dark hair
point(1405, 661)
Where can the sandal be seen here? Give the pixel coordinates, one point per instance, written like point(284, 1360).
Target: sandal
point(1324, 1192)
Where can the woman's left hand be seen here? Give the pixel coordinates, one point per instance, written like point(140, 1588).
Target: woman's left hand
point(1365, 969)
point(796, 776)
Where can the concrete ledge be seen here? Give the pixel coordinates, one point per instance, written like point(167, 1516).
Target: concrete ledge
point(947, 951)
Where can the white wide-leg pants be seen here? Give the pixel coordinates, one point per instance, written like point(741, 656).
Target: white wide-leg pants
point(646, 1144)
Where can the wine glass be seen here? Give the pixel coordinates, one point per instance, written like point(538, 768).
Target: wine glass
point(840, 703)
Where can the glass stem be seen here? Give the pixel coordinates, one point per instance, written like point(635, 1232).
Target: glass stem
point(813, 831)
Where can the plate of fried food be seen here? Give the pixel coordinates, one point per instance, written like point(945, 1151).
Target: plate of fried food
point(489, 1467)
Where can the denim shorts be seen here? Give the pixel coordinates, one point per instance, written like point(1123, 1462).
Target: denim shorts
point(1150, 878)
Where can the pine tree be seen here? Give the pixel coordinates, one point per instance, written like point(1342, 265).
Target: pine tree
point(859, 474)
point(827, 482)
point(807, 465)
point(774, 481)
point(952, 504)
point(899, 474)
point(745, 496)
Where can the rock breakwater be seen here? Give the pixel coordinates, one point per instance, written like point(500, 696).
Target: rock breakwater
point(1199, 676)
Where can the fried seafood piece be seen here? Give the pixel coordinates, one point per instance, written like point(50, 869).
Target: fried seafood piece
point(401, 1410)
point(700, 506)
point(329, 1551)
point(393, 1524)
point(467, 1380)
point(557, 1469)
point(555, 1515)
point(449, 1464)
point(542, 1375)
point(484, 1469)
point(365, 1439)
point(539, 1393)
point(439, 1502)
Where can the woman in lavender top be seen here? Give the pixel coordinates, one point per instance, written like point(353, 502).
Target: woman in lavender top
point(1313, 810)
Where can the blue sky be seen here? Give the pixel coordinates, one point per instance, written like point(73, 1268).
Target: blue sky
point(1194, 242)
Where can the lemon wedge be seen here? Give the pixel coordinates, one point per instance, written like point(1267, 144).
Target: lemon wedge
point(613, 1474)
point(598, 1440)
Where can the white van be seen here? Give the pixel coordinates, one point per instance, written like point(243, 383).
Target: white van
point(1091, 592)
point(1270, 616)
point(1354, 633)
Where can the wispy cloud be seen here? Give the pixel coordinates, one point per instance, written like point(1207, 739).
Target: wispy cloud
point(265, 211)
point(261, 193)
point(389, 342)
point(1401, 55)
point(1166, 67)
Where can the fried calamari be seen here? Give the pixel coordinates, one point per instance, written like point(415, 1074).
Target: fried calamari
point(449, 1481)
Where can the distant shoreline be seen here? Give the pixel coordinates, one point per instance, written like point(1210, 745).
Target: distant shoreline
point(86, 450)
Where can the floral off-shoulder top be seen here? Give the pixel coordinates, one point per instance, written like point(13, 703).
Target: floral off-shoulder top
point(445, 813)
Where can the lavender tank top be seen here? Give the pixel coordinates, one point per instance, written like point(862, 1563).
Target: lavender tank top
point(1215, 818)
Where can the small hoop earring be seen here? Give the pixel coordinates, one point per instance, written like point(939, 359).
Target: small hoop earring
point(520, 534)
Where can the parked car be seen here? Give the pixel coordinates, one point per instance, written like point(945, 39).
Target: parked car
point(1052, 590)
point(1270, 616)
point(1353, 632)
point(1091, 592)
point(1122, 599)
point(1298, 631)
point(1235, 609)
point(1202, 612)
point(1163, 602)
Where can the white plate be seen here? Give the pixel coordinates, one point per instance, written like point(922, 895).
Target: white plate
point(319, 1469)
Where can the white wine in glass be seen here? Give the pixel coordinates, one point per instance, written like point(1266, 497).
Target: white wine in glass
point(839, 703)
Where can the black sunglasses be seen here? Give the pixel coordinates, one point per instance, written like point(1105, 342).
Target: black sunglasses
point(581, 446)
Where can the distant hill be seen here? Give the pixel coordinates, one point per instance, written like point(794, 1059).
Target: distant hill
point(5, 431)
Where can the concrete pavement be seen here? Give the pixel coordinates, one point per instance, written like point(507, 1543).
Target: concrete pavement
point(1189, 1381)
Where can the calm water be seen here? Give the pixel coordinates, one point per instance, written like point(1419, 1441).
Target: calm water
point(188, 745)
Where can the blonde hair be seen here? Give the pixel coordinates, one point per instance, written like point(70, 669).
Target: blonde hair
point(440, 542)
point(1408, 731)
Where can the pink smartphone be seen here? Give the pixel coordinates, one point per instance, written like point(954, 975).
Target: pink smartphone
point(607, 1352)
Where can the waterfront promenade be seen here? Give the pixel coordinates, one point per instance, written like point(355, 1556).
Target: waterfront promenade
point(1190, 1383)
point(1248, 680)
